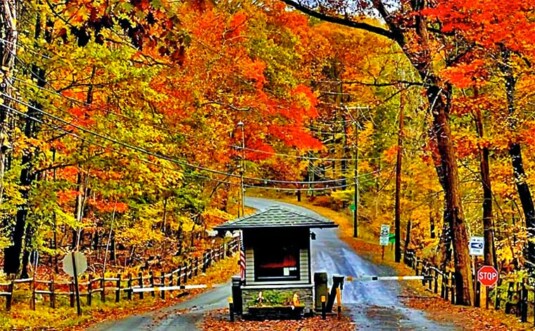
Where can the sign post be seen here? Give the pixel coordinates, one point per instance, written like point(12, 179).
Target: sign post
point(487, 275)
point(384, 238)
point(476, 248)
point(74, 264)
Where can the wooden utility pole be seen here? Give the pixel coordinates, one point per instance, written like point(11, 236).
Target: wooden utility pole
point(242, 171)
point(356, 176)
point(397, 220)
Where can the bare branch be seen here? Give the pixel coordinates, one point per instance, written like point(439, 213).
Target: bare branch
point(342, 21)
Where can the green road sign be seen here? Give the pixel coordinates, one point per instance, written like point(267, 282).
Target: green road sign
point(392, 238)
point(352, 207)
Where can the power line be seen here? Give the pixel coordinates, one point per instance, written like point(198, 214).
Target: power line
point(172, 169)
point(159, 155)
point(83, 103)
point(301, 188)
point(56, 127)
point(305, 158)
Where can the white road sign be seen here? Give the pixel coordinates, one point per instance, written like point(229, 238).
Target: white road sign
point(80, 260)
point(385, 231)
point(477, 246)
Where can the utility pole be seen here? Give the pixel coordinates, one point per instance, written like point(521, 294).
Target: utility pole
point(356, 175)
point(397, 208)
point(355, 168)
point(242, 171)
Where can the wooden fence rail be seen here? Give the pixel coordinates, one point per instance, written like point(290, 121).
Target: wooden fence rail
point(122, 286)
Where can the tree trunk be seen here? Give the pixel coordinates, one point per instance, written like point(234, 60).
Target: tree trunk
point(445, 246)
point(8, 51)
point(515, 152)
point(454, 212)
point(488, 226)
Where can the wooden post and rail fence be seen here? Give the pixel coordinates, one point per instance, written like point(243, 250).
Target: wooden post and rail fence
point(513, 295)
point(121, 286)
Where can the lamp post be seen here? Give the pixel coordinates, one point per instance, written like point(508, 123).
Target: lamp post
point(242, 171)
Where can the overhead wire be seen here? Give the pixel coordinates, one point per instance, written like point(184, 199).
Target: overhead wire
point(158, 126)
point(182, 133)
point(172, 169)
point(159, 155)
point(70, 133)
point(304, 158)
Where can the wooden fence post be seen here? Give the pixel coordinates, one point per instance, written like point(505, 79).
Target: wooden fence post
point(71, 293)
point(196, 266)
point(477, 299)
point(178, 277)
point(533, 289)
point(103, 287)
point(52, 294)
point(9, 297)
point(210, 257)
point(89, 290)
point(509, 297)
point(162, 284)
point(425, 273)
point(140, 284)
point(185, 269)
point(443, 290)
point(452, 281)
point(190, 264)
point(32, 302)
point(171, 280)
point(524, 303)
point(118, 289)
point(204, 262)
point(436, 281)
point(151, 279)
point(497, 301)
point(130, 288)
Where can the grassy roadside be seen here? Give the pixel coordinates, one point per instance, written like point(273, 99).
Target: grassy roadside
point(21, 317)
point(415, 295)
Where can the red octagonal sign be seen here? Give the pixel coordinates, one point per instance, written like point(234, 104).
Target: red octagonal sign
point(487, 275)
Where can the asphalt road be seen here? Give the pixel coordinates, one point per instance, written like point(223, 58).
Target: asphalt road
point(374, 305)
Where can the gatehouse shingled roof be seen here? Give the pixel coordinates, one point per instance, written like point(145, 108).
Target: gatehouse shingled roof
point(276, 217)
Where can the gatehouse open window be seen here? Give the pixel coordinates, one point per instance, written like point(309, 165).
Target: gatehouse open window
point(277, 263)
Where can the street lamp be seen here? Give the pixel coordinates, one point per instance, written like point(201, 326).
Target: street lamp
point(242, 170)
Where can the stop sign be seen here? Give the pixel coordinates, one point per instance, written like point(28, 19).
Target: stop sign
point(487, 275)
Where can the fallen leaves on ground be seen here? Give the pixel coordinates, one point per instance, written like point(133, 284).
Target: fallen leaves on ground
point(470, 318)
point(65, 317)
point(219, 320)
point(414, 294)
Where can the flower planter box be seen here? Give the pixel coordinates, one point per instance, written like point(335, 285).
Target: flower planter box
point(275, 312)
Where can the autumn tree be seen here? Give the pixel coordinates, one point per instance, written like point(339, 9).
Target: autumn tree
point(495, 36)
point(423, 44)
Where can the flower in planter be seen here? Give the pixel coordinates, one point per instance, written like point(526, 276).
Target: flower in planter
point(295, 301)
point(260, 298)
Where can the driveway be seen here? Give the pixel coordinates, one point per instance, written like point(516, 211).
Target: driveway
point(374, 305)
